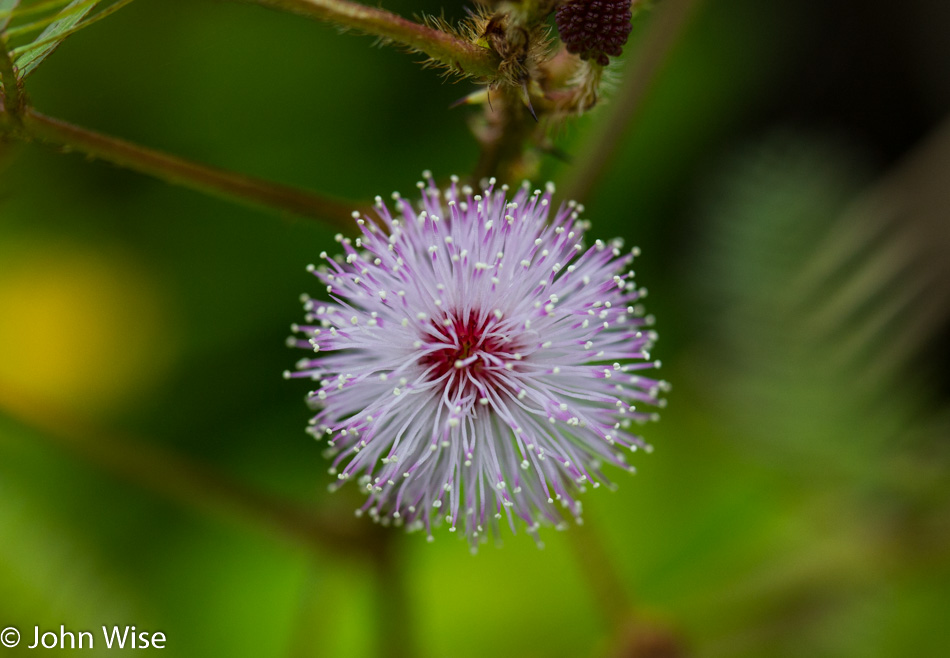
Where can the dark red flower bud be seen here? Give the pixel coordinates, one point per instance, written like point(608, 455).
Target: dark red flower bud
point(594, 29)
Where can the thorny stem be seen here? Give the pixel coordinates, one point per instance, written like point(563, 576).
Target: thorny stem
point(458, 54)
point(672, 17)
point(172, 169)
point(176, 477)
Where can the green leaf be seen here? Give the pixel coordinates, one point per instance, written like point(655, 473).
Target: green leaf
point(6, 12)
point(53, 35)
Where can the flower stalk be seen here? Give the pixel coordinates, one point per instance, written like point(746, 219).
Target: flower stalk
point(12, 98)
point(392, 601)
point(506, 135)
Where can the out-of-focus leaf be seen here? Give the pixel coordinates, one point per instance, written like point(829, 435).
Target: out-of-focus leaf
point(766, 213)
point(46, 21)
point(52, 36)
point(813, 281)
point(881, 277)
point(6, 12)
point(38, 7)
point(60, 37)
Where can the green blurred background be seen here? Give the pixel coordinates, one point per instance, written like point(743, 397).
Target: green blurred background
point(787, 179)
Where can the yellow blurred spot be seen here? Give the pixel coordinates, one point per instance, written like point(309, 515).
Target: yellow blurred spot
point(81, 328)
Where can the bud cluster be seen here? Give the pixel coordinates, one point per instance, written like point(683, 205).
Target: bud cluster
point(594, 29)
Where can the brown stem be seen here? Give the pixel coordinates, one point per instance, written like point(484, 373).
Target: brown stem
point(11, 102)
point(172, 169)
point(176, 477)
point(672, 16)
point(458, 54)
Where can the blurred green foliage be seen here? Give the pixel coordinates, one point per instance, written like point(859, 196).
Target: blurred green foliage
point(786, 511)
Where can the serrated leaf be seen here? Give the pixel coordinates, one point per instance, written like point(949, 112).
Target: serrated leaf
point(54, 35)
point(6, 12)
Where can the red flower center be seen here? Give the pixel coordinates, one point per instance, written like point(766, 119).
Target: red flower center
point(470, 348)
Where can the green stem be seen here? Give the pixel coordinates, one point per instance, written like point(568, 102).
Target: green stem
point(596, 564)
point(176, 477)
point(175, 170)
point(452, 51)
point(394, 616)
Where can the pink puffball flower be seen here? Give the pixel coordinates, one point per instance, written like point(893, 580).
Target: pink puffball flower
point(477, 363)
